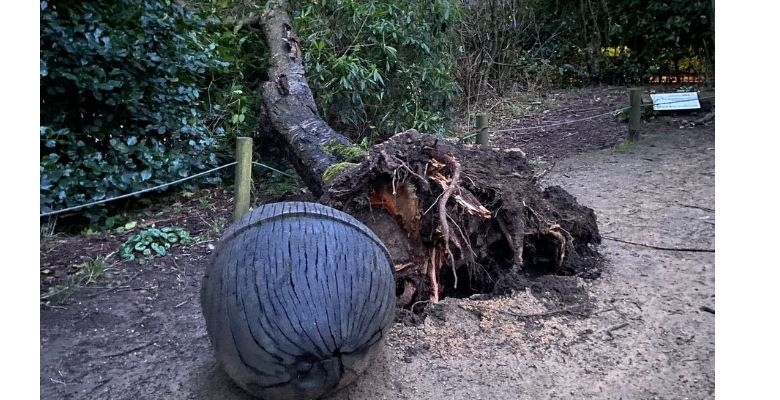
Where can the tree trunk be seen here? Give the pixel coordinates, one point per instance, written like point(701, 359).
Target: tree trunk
point(289, 103)
point(456, 219)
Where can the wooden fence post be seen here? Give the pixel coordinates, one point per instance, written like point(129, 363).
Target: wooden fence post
point(635, 95)
point(243, 176)
point(482, 132)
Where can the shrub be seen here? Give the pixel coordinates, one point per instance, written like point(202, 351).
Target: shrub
point(121, 105)
point(378, 67)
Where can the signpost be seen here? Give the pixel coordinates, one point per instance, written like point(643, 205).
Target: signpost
point(675, 101)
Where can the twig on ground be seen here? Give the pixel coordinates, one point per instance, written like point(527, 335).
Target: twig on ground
point(695, 206)
point(100, 384)
point(685, 249)
point(544, 172)
point(128, 351)
point(567, 310)
point(55, 307)
point(615, 328)
point(418, 302)
point(707, 309)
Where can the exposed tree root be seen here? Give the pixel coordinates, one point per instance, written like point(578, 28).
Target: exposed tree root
point(491, 216)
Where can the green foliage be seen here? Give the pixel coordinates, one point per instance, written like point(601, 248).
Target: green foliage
point(153, 242)
point(378, 67)
point(336, 169)
point(121, 104)
point(275, 185)
point(233, 93)
point(218, 226)
point(540, 43)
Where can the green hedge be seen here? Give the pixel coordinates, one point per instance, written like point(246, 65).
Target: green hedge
point(121, 98)
point(378, 67)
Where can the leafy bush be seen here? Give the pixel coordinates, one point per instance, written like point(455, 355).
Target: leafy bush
point(121, 105)
point(233, 93)
point(153, 241)
point(540, 43)
point(377, 67)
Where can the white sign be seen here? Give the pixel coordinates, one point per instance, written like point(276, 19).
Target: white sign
point(675, 101)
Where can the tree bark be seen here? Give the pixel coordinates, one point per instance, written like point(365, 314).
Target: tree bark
point(289, 103)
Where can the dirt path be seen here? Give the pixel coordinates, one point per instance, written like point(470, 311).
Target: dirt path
point(646, 337)
point(638, 332)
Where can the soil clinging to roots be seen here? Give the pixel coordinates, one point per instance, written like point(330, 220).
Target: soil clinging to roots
point(457, 219)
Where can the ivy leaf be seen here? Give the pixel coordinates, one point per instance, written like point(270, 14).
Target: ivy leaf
point(160, 250)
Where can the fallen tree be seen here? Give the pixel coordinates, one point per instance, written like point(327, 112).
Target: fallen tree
point(455, 218)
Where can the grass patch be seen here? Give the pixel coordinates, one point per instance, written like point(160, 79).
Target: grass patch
point(86, 273)
point(624, 146)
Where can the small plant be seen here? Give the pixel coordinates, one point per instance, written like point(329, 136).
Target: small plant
point(513, 110)
point(217, 226)
point(126, 227)
point(87, 272)
point(91, 270)
point(48, 229)
point(177, 207)
point(624, 146)
point(538, 163)
point(206, 201)
point(153, 242)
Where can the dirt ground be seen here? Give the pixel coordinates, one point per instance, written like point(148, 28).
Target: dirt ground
point(644, 330)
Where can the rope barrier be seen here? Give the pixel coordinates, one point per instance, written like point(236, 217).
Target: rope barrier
point(94, 203)
point(525, 128)
point(273, 169)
